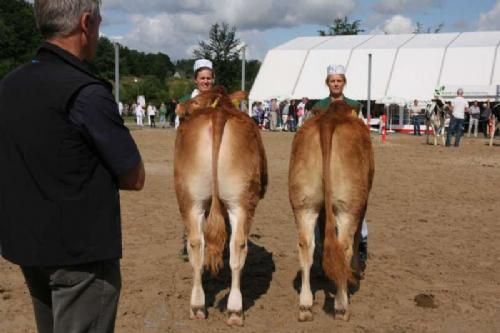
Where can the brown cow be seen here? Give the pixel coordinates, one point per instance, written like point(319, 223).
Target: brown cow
point(220, 172)
point(494, 123)
point(340, 143)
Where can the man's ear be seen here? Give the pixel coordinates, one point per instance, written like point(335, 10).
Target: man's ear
point(85, 22)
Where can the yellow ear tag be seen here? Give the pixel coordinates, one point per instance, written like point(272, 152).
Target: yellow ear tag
point(214, 104)
point(354, 113)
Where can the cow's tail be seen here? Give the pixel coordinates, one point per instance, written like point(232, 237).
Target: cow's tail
point(334, 262)
point(215, 227)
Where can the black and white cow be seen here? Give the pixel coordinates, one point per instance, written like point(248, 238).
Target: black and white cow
point(435, 117)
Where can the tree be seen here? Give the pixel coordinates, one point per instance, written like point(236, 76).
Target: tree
point(342, 26)
point(19, 36)
point(185, 67)
point(221, 49)
point(419, 29)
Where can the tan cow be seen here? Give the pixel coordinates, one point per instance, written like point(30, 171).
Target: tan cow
point(494, 123)
point(220, 172)
point(340, 143)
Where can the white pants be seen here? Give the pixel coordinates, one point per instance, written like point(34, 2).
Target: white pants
point(139, 120)
point(177, 122)
point(364, 230)
point(284, 117)
point(473, 121)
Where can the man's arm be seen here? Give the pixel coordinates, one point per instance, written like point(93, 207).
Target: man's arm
point(134, 179)
point(96, 114)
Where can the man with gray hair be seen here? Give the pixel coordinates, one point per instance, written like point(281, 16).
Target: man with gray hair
point(62, 171)
point(459, 106)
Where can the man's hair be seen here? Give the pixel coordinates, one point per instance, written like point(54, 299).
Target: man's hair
point(59, 18)
point(342, 75)
point(460, 91)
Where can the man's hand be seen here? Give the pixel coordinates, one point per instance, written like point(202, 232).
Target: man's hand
point(134, 179)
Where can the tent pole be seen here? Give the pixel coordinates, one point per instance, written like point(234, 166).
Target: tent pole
point(369, 102)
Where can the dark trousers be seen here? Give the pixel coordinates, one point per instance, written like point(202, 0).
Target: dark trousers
point(75, 299)
point(152, 119)
point(456, 126)
point(416, 125)
point(483, 124)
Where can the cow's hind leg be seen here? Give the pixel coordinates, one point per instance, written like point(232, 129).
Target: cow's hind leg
point(238, 249)
point(196, 246)
point(347, 225)
point(306, 222)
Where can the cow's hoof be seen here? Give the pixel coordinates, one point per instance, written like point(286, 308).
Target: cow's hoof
point(197, 312)
point(342, 314)
point(235, 318)
point(305, 314)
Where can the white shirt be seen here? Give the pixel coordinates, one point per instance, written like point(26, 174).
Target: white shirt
point(415, 110)
point(301, 109)
point(138, 111)
point(474, 111)
point(151, 110)
point(459, 105)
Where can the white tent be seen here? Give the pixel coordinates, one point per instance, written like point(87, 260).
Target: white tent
point(404, 67)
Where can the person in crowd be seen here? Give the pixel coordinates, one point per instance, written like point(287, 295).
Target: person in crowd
point(484, 118)
point(458, 107)
point(292, 115)
point(260, 109)
point(151, 115)
point(163, 115)
point(415, 112)
point(204, 77)
point(171, 106)
point(61, 174)
point(255, 112)
point(474, 113)
point(284, 115)
point(273, 112)
point(301, 111)
point(139, 114)
point(336, 81)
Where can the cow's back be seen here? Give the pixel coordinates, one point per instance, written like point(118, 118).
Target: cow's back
point(241, 161)
point(352, 162)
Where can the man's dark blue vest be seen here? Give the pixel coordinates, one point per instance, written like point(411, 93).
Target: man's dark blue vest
point(59, 203)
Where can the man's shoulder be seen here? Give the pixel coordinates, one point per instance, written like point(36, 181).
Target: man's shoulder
point(322, 103)
point(352, 102)
point(184, 98)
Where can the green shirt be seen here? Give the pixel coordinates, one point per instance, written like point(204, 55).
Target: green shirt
point(163, 110)
point(323, 104)
point(185, 98)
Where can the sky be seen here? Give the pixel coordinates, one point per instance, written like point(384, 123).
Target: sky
point(175, 27)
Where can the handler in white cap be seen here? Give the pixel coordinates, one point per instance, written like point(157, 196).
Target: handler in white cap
point(336, 81)
point(203, 78)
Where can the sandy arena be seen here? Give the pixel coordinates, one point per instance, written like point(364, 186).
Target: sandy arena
point(434, 249)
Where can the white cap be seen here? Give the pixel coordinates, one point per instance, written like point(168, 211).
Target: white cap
point(335, 69)
point(201, 63)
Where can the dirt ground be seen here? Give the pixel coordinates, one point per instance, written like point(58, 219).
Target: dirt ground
point(434, 237)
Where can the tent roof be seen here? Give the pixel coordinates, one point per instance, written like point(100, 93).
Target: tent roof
point(404, 66)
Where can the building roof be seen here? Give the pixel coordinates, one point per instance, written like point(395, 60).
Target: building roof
point(404, 66)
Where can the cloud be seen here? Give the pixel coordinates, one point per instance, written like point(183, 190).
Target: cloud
point(491, 19)
point(397, 24)
point(175, 27)
point(392, 7)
